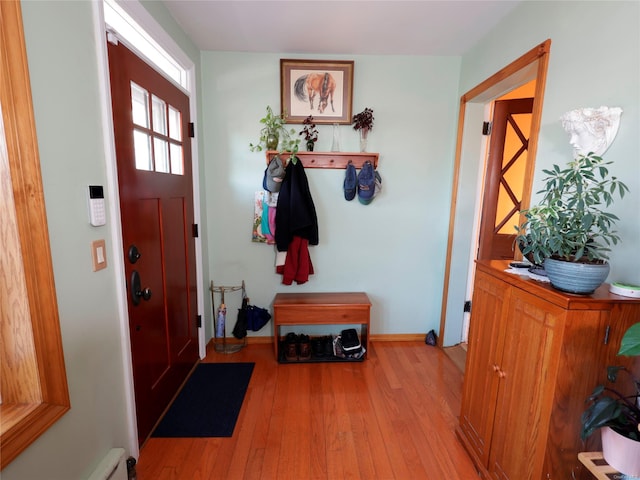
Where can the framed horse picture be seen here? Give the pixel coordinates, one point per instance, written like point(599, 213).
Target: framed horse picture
point(322, 88)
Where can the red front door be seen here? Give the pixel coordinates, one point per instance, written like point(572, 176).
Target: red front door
point(151, 119)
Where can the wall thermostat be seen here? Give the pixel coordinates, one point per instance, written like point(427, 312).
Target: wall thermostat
point(97, 210)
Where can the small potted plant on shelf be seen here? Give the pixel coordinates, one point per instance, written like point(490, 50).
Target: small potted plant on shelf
point(363, 122)
point(272, 133)
point(617, 414)
point(568, 229)
point(310, 133)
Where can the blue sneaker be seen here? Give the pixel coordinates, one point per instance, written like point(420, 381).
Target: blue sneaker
point(350, 182)
point(366, 183)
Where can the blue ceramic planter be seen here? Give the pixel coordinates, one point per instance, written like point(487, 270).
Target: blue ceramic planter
point(572, 277)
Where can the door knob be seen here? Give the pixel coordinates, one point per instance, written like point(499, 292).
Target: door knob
point(137, 292)
point(133, 254)
point(145, 294)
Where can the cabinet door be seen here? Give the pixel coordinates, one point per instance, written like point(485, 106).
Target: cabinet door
point(527, 373)
point(486, 337)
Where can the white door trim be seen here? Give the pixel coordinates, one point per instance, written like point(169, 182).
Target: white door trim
point(137, 11)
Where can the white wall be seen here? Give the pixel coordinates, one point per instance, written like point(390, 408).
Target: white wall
point(594, 61)
point(394, 248)
point(63, 65)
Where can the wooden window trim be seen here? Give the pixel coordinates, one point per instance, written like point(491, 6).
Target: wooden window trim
point(33, 379)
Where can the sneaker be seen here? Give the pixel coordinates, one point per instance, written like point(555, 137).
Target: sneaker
point(350, 341)
point(350, 182)
point(366, 183)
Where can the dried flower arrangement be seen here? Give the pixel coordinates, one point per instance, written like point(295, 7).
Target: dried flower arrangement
point(309, 130)
point(363, 120)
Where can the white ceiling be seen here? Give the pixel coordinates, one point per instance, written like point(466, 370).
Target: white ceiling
point(357, 27)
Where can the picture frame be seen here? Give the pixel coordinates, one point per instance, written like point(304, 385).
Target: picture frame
point(322, 88)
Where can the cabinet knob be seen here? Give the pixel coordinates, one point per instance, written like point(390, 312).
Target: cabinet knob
point(501, 374)
point(496, 368)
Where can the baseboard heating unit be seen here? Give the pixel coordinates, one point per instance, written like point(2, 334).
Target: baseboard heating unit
point(112, 467)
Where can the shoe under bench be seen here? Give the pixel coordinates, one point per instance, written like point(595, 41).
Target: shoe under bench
point(339, 308)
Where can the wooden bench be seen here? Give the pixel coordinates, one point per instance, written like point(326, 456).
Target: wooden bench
point(340, 308)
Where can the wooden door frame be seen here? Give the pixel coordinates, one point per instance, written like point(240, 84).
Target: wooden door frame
point(493, 87)
point(35, 393)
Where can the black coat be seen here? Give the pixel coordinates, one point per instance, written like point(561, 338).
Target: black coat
point(295, 212)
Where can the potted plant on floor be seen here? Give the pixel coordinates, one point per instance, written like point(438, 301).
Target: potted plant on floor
point(272, 133)
point(617, 414)
point(568, 231)
point(310, 133)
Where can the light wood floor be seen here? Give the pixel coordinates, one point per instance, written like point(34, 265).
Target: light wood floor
point(389, 417)
point(458, 355)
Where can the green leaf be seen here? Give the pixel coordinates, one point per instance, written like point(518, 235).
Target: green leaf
point(622, 188)
point(603, 172)
point(630, 344)
point(601, 413)
point(579, 254)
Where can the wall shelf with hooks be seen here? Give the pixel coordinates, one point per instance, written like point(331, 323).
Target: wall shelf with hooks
point(329, 159)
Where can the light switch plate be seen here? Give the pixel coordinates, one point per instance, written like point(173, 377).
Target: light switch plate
point(99, 255)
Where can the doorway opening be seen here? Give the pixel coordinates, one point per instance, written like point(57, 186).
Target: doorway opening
point(145, 24)
point(470, 172)
point(505, 172)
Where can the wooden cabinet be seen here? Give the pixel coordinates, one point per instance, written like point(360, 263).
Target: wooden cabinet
point(534, 355)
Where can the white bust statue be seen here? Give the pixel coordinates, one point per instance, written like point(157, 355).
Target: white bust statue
point(591, 129)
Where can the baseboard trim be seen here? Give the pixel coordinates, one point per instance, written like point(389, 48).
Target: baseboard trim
point(397, 337)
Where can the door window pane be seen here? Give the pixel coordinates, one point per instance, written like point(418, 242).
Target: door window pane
point(177, 165)
point(142, 146)
point(162, 121)
point(161, 155)
point(174, 124)
point(117, 18)
point(159, 109)
point(140, 105)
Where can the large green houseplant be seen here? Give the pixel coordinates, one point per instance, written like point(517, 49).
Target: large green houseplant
point(569, 224)
point(274, 133)
point(608, 408)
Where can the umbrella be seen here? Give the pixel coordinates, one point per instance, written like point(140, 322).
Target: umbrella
point(240, 328)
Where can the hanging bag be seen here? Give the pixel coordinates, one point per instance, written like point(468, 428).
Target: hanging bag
point(257, 317)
